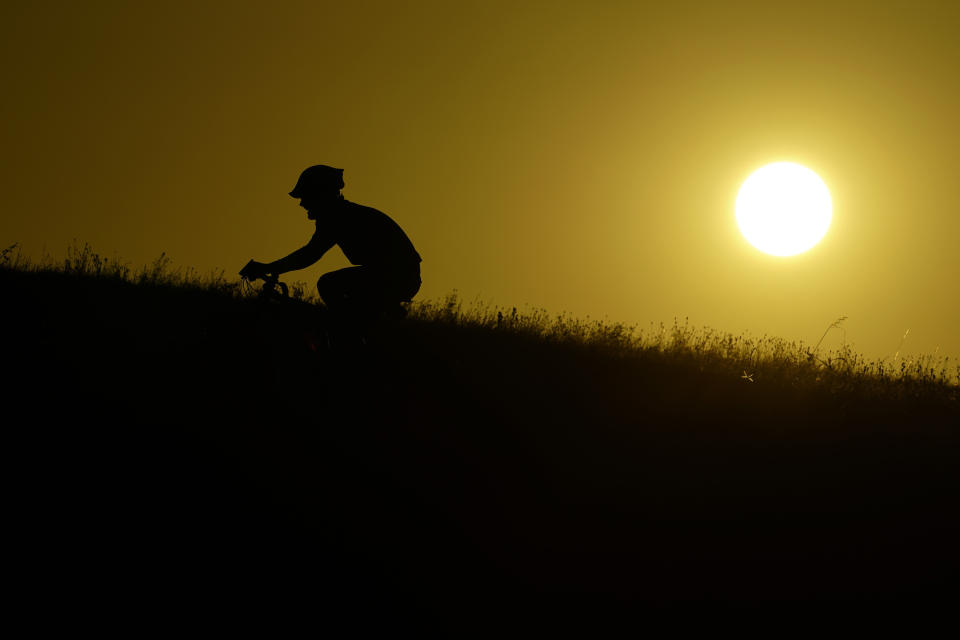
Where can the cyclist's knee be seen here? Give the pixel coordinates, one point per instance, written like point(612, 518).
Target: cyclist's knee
point(331, 289)
point(325, 284)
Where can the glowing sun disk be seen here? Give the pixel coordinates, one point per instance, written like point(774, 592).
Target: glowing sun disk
point(783, 209)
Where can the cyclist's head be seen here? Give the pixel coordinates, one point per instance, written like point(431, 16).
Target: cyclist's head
point(319, 182)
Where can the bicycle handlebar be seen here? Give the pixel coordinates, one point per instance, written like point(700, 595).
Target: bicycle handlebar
point(270, 281)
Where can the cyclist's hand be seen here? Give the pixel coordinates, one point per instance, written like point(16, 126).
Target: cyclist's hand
point(253, 270)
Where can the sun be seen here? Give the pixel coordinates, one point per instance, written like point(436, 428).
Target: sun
point(783, 209)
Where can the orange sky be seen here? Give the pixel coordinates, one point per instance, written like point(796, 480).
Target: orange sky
point(581, 157)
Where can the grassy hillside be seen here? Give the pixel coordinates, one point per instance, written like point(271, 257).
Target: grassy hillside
point(177, 441)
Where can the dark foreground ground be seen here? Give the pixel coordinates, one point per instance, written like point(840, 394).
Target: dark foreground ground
point(175, 450)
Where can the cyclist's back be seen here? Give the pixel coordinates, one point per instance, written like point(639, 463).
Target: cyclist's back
point(367, 237)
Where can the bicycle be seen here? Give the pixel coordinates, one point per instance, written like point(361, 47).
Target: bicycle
point(337, 331)
point(305, 322)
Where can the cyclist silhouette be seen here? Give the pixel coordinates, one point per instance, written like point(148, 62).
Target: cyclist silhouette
point(388, 267)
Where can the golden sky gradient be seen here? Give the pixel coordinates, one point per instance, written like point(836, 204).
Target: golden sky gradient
point(578, 156)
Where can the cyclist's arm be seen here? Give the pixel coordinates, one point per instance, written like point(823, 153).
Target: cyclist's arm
point(299, 259)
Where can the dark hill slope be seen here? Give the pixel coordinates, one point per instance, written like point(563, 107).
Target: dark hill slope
point(176, 445)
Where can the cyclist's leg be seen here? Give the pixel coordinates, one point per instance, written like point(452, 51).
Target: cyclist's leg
point(341, 289)
point(365, 291)
point(399, 287)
